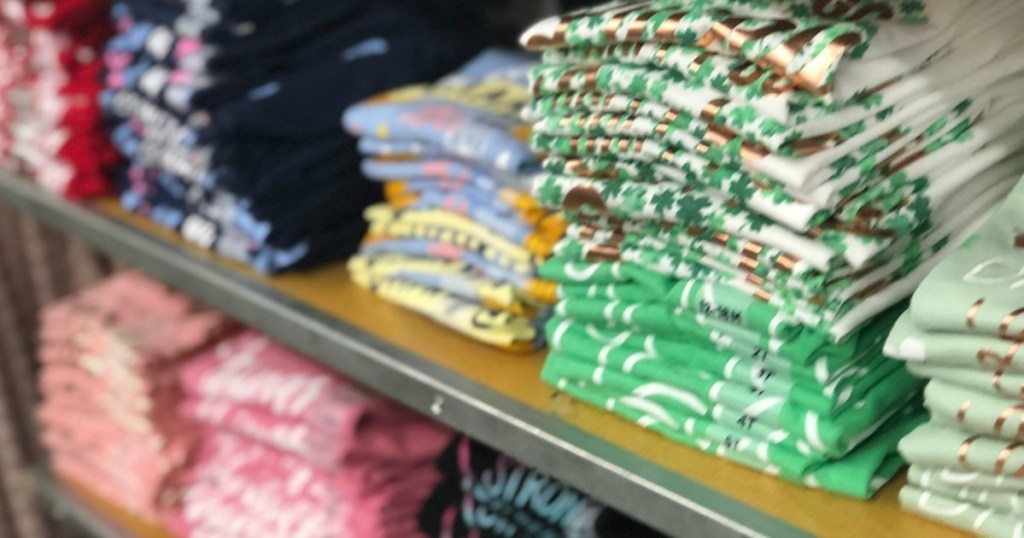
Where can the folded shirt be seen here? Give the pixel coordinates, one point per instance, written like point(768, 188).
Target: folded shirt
point(59, 135)
point(948, 478)
point(472, 114)
point(998, 383)
point(962, 514)
point(795, 435)
point(280, 429)
point(488, 494)
point(859, 474)
point(501, 328)
point(453, 277)
point(111, 356)
point(218, 150)
point(833, 47)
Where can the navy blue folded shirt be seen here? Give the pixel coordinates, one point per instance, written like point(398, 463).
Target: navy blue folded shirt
point(243, 150)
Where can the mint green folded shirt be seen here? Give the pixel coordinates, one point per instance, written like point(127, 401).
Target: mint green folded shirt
point(939, 478)
point(932, 445)
point(963, 350)
point(974, 412)
point(979, 289)
point(1009, 503)
point(979, 520)
point(1003, 384)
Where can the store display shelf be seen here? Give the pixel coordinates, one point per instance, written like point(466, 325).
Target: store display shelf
point(491, 395)
point(76, 508)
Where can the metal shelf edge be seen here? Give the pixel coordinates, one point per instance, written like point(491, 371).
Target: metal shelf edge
point(65, 506)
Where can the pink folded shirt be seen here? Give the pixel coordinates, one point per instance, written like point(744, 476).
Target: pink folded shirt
point(110, 380)
point(241, 482)
point(377, 457)
point(272, 385)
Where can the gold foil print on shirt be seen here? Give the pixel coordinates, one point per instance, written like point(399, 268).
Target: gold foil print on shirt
point(812, 76)
point(635, 30)
point(783, 55)
point(965, 448)
point(997, 428)
point(697, 62)
point(578, 168)
point(856, 226)
point(1018, 240)
point(662, 52)
point(786, 263)
point(752, 249)
point(1004, 455)
point(611, 28)
point(809, 146)
point(985, 354)
point(750, 73)
point(735, 38)
point(603, 253)
point(584, 196)
point(565, 81)
point(875, 288)
point(709, 112)
point(997, 384)
point(1004, 326)
point(666, 31)
point(721, 238)
point(972, 312)
point(961, 414)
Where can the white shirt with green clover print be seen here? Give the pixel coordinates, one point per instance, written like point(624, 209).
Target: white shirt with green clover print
point(834, 43)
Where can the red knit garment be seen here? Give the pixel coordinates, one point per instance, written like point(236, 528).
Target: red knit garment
point(59, 137)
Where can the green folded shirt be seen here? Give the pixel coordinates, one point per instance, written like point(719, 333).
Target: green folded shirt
point(657, 406)
point(856, 413)
point(827, 387)
point(746, 331)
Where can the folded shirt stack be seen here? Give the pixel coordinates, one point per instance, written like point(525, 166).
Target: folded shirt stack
point(459, 238)
point(110, 359)
point(487, 494)
point(963, 332)
point(12, 85)
point(61, 137)
point(754, 188)
point(230, 114)
point(289, 449)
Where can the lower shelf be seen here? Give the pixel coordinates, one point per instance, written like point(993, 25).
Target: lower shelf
point(493, 396)
point(74, 505)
